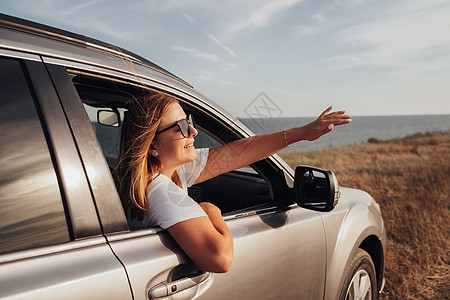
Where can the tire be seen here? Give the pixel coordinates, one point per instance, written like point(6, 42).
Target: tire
point(360, 280)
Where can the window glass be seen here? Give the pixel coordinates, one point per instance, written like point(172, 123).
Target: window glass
point(31, 209)
point(204, 140)
point(108, 136)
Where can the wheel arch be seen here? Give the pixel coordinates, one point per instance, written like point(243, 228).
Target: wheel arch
point(373, 246)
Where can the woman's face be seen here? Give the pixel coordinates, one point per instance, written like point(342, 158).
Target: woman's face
point(173, 149)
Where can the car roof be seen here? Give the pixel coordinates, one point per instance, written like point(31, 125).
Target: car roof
point(56, 46)
point(45, 44)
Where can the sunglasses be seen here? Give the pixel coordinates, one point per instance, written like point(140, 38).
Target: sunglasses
point(183, 124)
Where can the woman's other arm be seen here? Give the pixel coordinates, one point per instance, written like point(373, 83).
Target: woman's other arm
point(206, 240)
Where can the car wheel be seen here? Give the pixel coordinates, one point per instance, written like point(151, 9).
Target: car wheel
point(360, 281)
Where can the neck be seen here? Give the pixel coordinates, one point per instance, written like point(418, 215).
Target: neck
point(168, 172)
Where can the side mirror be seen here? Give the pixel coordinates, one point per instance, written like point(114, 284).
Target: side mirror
point(108, 117)
point(315, 188)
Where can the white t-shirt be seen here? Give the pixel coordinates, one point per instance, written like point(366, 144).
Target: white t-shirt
point(168, 203)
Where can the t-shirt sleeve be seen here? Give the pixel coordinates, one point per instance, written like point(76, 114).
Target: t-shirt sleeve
point(169, 204)
point(190, 172)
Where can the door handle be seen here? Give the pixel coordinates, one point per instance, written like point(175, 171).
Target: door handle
point(189, 285)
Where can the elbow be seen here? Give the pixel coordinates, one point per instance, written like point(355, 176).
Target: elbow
point(223, 264)
point(217, 263)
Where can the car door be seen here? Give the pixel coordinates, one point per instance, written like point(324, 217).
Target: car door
point(279, 247)
point(279, 253)
point(51, 242)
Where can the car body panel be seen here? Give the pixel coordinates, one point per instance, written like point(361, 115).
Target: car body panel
point(260, 251)
point(76, 270)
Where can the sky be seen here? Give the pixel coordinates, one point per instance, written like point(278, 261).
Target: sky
point(367, 57)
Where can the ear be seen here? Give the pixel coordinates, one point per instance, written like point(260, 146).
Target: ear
point(153, 150)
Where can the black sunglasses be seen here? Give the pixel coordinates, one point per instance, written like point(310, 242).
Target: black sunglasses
point(183, 124)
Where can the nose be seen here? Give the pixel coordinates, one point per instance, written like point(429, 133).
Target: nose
point(193, 132)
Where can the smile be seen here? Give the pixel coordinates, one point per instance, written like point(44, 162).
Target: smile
point(190, 146)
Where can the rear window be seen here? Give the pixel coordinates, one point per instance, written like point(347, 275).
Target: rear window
point(31, 209)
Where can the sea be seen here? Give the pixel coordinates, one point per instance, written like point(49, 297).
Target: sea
point(360, 130)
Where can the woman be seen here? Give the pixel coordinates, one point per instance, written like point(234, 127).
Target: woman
point(158, 162)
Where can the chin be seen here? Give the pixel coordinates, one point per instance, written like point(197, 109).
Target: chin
point(193, 154)
point(190, 156)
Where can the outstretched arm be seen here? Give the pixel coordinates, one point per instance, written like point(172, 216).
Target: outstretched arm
point(246, 151)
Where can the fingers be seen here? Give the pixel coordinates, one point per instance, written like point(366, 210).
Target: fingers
point(337, 122)
point(326, 111)
point(334, 118)
point(328, 114)
point(337, 116)
point(340, 114)
point(342, 122)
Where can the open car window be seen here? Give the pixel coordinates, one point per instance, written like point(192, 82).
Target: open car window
point(108, 136)
point(245, 188)
point(205, 140)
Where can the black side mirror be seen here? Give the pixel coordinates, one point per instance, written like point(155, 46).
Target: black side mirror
point(108, 117)
point(315, 188)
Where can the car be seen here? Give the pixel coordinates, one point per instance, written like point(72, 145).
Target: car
point(63, 231)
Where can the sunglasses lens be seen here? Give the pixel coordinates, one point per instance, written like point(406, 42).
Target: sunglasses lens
point(184, 127)
point(191, 120)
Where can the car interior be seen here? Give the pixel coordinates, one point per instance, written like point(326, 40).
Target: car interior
point(251, 188)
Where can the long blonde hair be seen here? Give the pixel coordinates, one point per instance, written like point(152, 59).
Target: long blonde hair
point(136, 169)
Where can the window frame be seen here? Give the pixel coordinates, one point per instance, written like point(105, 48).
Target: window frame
point(276, 176)
point(109, 211)
point(82, 216)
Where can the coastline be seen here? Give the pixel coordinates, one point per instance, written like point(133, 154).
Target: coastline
point(358, 131)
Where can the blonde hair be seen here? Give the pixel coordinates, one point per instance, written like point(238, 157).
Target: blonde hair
point(136, 169)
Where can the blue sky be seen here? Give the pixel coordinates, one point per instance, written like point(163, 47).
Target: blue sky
point(366, 56)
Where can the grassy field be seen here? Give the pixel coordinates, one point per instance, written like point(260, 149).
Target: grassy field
point(410, 179)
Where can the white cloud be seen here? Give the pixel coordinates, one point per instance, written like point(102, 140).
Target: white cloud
point(197, 54)
point(320, 15)
point(81, 15)
point(261, 16)
point(409, 36)
point(303, 31)
point(222, 45)
point(223, 64)
point(214, 73)
point(210, 77)
point(189, 18)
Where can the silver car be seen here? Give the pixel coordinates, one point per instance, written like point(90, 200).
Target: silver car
point(63, 231)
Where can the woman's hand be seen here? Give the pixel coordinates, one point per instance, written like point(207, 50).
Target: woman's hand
point(210, 209)
point(215, 216)
point(324, 124)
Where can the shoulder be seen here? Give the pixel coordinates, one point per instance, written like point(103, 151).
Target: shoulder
point(168, 204)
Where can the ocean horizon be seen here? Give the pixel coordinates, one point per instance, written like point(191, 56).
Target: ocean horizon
point(360, 130)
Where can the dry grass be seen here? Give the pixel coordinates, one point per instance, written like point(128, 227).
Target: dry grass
point(409, 178)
